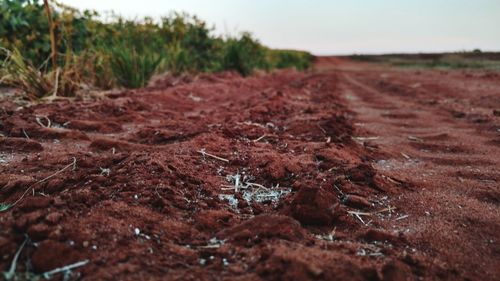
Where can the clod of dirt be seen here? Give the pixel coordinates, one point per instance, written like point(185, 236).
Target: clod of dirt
point(356, 201)
point(11, 183)
point(35, 202)
point(38, 232)
point(20, 144)
point(57, 133)
point(25, 220)
point(95, 126)
point(264, 227)
point(54, 185)
point(214, 219)
point(363, 174)
point(372, 235)
point(396, 271)
point(108, 144)
point(334, 157)
point(314, 206)
point(51, 254)
point(295, 262)
point(54, 218)
point(276, 166)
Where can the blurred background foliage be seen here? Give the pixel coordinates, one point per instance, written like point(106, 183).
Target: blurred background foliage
point(115, 51)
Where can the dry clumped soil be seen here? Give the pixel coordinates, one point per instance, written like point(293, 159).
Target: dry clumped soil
point(349, 171)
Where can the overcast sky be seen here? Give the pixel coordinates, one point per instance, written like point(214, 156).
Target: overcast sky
point(337, 26)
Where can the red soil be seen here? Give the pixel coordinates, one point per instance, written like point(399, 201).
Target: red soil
point(416, 153)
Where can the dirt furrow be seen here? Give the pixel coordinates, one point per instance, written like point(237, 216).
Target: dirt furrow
point(339, 173)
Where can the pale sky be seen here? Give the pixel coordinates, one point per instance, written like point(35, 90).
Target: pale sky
point(337, 26)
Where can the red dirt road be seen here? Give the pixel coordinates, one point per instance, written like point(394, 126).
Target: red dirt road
point(349, 172)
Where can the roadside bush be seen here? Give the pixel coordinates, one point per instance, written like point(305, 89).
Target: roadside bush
point(20, 73)
point(290, 59)
point(132, 69)
point(17, 72)
point(117, 52)
point(24, 26)
point(244, 55)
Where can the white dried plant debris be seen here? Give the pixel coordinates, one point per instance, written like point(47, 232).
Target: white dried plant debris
point(105, 171)
point(194, 97)
point(231, 199)
point(251, 191)
point(4, 158)
point(262, 194)
point(213, 243)
point(370, 250)
point(327, 237)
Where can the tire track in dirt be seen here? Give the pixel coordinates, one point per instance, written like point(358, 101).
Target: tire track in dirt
point(454, 211)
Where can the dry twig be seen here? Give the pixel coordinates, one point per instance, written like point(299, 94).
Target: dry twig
point(402, 217)
point(25, 134)
point(9, 275)
point(358, 215)
point(260, 138)
point(48, 274)
point(39, 121)
point(413, 138)
point(204, 153)
point(388, 209)
point(365, 138)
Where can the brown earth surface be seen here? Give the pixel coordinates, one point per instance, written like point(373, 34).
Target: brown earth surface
point(351, 171)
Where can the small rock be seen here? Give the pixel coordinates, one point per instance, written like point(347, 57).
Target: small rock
point(314, 206)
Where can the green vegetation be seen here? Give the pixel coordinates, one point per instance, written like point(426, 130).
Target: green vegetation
point(290, 58)
point(460, 60)
point(244, 55)
point(76, 49)
point(132, 69)
point(22, 74)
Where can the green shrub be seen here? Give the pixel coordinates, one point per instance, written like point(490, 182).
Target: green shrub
point(89, 52)
point(19, 73)
point(24, 26)
point(132, 69)
point(290, 59)
point(244, 54)
point(16, 71)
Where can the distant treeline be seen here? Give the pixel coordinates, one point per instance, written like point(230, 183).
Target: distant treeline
point(474, 59)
